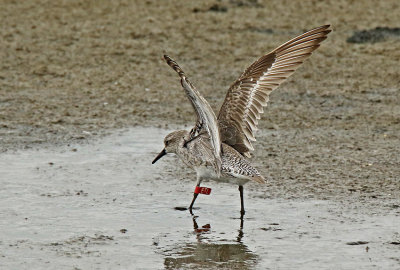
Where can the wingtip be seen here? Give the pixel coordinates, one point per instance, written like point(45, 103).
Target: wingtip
point(167, 58)
point(322, 28)
point(328, 28)
point(174, 65)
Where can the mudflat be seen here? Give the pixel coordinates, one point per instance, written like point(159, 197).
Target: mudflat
point(72, 72)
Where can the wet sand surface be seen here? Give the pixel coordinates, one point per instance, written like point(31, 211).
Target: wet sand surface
point(104, 206)
point(76, 69)
point(83, 89)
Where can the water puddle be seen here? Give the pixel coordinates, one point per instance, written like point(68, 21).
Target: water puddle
point(104, 206)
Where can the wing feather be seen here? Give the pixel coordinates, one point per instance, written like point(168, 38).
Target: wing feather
point(206, 118)
point(244, 102)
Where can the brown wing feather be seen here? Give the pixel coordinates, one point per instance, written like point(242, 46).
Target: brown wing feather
point(205, 115)
point(244, 102)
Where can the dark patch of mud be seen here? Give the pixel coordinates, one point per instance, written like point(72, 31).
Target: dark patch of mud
point(378, 34)
point(357, 243)
point(81, 246)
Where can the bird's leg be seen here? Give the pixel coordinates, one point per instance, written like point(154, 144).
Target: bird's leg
point(194, 199)
point(194, 195)
point(241, 202)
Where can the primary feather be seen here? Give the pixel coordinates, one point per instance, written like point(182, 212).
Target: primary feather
point(206, 119)
point(244, 102)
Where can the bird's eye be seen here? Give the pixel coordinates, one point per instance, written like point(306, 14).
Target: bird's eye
point(166, 143)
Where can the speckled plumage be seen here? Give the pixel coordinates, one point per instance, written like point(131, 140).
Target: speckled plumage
point(216, 147)
point(198, 155)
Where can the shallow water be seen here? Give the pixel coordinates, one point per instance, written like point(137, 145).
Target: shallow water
point(103, 205)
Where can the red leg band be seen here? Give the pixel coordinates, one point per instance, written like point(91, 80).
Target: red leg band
point(202, 190)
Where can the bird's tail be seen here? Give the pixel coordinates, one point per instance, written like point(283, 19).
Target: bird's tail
point(259, 179)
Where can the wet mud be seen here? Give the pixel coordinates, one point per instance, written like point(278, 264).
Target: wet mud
point(86, 100)
point(103, 205)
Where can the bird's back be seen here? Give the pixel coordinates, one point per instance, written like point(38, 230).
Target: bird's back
point(198, 154)
point(236, 165)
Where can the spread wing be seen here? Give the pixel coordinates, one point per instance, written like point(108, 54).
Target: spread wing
point(206, 119)
point(244, 102)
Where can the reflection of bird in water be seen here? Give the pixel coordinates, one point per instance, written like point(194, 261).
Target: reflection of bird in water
point(206, 228)
point(217, 146)
point(204, 254)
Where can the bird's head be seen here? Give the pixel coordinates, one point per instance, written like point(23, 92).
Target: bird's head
point(172, 142)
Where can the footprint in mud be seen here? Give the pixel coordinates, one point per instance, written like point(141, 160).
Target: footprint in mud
point(271, 229)
point(81, 245)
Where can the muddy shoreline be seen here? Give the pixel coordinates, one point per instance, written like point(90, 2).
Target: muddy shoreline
point(97, 206)
point(73, 70)
point(77, 74)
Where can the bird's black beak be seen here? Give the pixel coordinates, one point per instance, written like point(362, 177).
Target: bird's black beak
point(162, 153)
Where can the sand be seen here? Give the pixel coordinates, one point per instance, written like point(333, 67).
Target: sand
point(73, 72)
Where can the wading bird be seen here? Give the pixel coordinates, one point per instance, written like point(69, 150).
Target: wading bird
point(217, 147)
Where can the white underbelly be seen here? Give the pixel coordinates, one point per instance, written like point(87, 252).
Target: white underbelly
point(208, 173)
